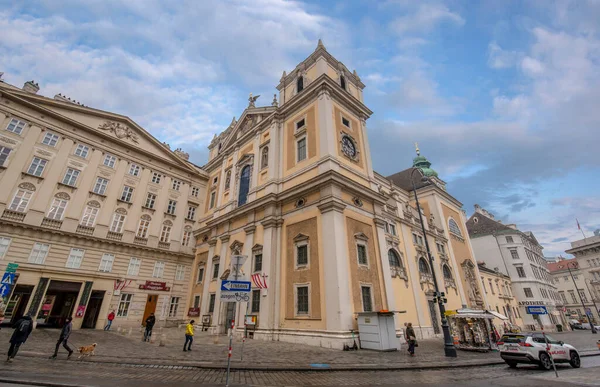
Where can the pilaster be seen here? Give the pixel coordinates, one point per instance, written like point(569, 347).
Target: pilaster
point(385, 265)
point(220, 313)
point(414, 278)
point(243, 307)
point(212, 243)
point(326, 130)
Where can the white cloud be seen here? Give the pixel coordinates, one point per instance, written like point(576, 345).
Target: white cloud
point(532, 67)
point(425, 18)
point(512, 108)
point(499, 58)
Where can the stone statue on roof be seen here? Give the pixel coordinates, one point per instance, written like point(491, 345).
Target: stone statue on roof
point(252, 100)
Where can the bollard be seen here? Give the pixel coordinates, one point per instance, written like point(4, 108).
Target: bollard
point(163, 339)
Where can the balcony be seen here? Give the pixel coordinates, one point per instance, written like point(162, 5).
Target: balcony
point(114, 236)
point(51, 223)
point(140, 241)
point(85, 230)
point(15, 216)
point(164, 245)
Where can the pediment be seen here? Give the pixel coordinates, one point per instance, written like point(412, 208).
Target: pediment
point(247, 121)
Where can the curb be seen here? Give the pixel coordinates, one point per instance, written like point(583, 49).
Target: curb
point(35, 383)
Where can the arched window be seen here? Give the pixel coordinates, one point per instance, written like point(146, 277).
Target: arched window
point(447, 272)
point(264, 158)
point(453, 226)
point(244, 185)
point(300, 84)
point(394, 258)
point(423, 266)
point(343, 82)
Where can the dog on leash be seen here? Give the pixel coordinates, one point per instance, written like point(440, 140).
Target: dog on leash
point(87, 351)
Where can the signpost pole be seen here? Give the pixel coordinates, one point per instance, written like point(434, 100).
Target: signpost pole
point(229, 353)
point(548, 349)
point(245, 331)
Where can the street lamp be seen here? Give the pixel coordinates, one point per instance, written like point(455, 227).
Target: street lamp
point(438, 297)
point(568, 265)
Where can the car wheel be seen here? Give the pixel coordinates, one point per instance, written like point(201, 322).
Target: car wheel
point(545, 362)
point(575, 360)
point(511, 364)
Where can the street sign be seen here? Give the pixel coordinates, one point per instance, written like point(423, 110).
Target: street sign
point(8, 279)
point(537, 310)
point(237, 262)
point(228, 296)
point(4, 290)
point(239, 286)
point(12, 267)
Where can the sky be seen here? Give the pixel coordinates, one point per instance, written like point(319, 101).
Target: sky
point(502, 96)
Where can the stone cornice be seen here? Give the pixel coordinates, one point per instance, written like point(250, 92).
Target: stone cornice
point(225, 238)
point(212, 242)
point(250, 229)
point(331, 204)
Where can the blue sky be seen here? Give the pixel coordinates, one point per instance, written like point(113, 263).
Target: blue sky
point(502, 96)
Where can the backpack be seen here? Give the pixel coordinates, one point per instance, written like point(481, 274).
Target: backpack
point(24, 326)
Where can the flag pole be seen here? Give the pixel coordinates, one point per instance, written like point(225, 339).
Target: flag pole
point(580, 229)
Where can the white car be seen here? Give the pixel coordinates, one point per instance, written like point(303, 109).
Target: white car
point(533, 348)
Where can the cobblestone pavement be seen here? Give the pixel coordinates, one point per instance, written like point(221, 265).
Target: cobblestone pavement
point(115, 347)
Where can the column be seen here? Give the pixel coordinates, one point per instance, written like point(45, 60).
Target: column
point(219, 315)
point(413, 276)
point(36, 301)
point(208, 267)
point(385, 264)
point(274, 158)
point(265, 316)
point(244, 307)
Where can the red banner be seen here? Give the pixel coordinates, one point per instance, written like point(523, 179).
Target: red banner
point(153, 285)
point(194, 312)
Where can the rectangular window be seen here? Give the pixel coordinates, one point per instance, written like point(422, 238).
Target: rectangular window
point(187, 237)
point(563, 297)
point(179, 273)
point(110, 160)
point(106, 263)
point(15, 126)
point(255, 301)
point(75, 258)
point(71, 177)
point(165, 234)
point(4, 152)
point(213, 196)
point(124, 303)
point(134, 170)
point(4, 243)
point(191, 214)
point(176, 184)
point(50, 139)
point(345, 122)
point(89, 216)
point(159, 269)
point(156, 177)
point(196, 301)
point(100, 186)
point(257, 263)
point(573, 298)
point(366, 298)
point(302, 300)
point(150, 200)
point(134, 266)
point(520, 272)
point(142, 231)
point(302, 255)
point(195, 191)
point(82, 150)
point(57, 209)
point(301, 149)
point(215, 271)
point(582, 295)
point(300, 124)
point(211, 303)
point(117, 223)
point(20, 200)
point(37, 166)
point(392, 229)
point(509, 239)
point(171, 207)
point(200, 277)
point(362, 254)
point(173, 306)
point(528, 292)
point(127, 193)
point(38, 254)
point(514, 254)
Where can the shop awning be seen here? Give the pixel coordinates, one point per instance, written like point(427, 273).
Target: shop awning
point(500, 316)
point(471, 313)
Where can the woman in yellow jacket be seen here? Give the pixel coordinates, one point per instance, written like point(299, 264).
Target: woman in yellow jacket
point(189, 336)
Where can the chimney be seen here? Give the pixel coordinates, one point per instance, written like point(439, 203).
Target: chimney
point(31, 87)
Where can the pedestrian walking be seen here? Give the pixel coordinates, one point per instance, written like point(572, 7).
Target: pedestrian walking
point(111, 317)
point(189, 336)
point(65, 332)
point(150, 321)
point(411, 338)
point(23, 328)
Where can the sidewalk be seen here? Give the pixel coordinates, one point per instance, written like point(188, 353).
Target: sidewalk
point(257, 355)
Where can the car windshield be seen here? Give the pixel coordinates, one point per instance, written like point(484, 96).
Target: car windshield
point(513, 338)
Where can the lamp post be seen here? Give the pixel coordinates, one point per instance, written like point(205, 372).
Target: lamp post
point(577, 290)
point(438, 297)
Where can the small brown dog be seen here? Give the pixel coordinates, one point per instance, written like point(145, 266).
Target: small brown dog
point(87, 350)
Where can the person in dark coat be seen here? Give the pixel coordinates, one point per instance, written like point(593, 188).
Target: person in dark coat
point(64, 337)
point(23, 328)
point(411, 338)
point(150, 321)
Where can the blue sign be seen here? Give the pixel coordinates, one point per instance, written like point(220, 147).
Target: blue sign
point(4, 290)
point(537, 310)
point(8, 279)
point(238, 286)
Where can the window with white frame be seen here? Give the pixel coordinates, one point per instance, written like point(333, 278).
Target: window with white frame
point(520, 271)
point(156, 177)
point(301, 251)
point(258, 263)
point(71, 177)
point(367, 300)
point(200, 276)
point(4, 244)
point(176, 184)
point(16, 126)
point(36, 168)
point(124, 303)
point(453, 226)
point(100, 186)
point(255, 308)
point(106, 263)
point(213, 196)
point(514, 254)
point(582, 295)
point(441, 248)
point(143, 226)
point(57, 209)
point(180, 273)
point(301, 149)
point(89, 216)
point(211, 302)
point(127, 193)
point(134, 169)
point(82, 150)
point(117, 223)
point(165, 234)
point(20, 200)
point(417, 239)
point(361, 252)
point(302, 300)
point(134, 266)
point(215, 270)
point(159, 269)
point(528, 292)
point(196, 302)
point(38, 254)
point(75, 258)
point(4, 153)
point(300, 124)
point(110, 160)
point(187, 237)
point(191, 214)
point(509, 239)
point(394, 259)
point(172, 207)
point(393, 229)
point(173, 306)
point(50, 139)
point(195, 191)
point(150, 200)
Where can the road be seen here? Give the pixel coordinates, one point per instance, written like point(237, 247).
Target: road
point(72, 373)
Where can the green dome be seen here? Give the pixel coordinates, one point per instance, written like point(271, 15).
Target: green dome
point(424, 165)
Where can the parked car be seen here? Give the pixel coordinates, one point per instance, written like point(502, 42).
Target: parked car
point(588, 326)
point(533, 348)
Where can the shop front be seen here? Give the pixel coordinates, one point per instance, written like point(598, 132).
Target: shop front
point(474, 329)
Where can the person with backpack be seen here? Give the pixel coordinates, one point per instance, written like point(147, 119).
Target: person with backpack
point(64, 337)
point(150, 321)
point(111, 317)
point(189, 336)
point(23, 328)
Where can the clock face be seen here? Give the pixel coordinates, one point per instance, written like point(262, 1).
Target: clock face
point(348, 147)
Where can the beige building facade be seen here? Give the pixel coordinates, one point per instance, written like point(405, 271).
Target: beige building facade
point(498, 294)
